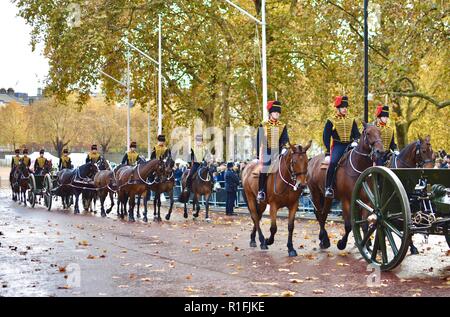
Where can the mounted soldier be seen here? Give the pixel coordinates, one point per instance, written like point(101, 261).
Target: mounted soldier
point(93, 156)
point(15, 161)
point(39, 163)
point(26, 159)
point(160, 149)
point(197, 158)
point(387, 133)
point(339, 132)
point(65, 161)
point(272, 138)
point(132, 156)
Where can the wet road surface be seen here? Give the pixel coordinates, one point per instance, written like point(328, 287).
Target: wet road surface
point(57, 253)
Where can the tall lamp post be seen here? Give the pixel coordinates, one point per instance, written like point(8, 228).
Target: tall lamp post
point(159, 64)
point(366, 62)
point(261, 22)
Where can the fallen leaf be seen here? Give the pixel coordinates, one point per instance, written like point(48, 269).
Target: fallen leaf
point(195, 250)
point(342, 264)
point(146, 279)
point(261, 295)
point(318, 291)
point(64, 287)
point(62, 269)
point(283, 270)
point(190, 290)
point(295, 281)
point(84, 243)
point(123, 286)
point(91, 257)
point(287, 294)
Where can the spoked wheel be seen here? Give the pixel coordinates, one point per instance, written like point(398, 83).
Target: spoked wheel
point(381, 218)
point(32, 191)
point(48, 187)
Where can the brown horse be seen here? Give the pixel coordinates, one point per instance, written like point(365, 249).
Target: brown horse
point(284, 187)
point(105, 182)
point(24, 176)
point(131, 181)
point(352, 164)
point(202, 184)
point(416, 154)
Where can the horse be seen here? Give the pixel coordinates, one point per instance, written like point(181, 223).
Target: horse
point(202, 184)
point(131, 182)
point(105, 183)
point(14, 182)
point(74, 182)
point(24, 176)
point(417, 154)
point(352, 164)
point(284, 187)
point(165, 185)
point(89, 196)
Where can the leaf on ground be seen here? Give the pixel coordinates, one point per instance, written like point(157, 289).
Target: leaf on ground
point(342, 264)
point(287, 293)
point(344, 253)
point(91, 257)
point(84, 243)
point(296, 281)
point(318, 291)
point(64, 287)
point(146, 279)
point(283, 270)
point(123, 286)
point(194, 250)
point(261, 295)
point(190, 290)
point(62, 269)
point(311, 278)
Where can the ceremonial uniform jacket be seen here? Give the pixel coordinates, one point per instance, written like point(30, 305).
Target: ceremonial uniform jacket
point(92, 157)
point(158, 151)
point(65, 162)
point(130, 158)
point(26, 160)
point(272, 135)
point(339, 130)
point(387, 136)
point(15, 162)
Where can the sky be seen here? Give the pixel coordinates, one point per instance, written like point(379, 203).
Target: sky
point(21, 69)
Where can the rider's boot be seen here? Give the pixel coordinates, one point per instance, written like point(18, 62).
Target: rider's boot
point(329, 193)
point(262, 187)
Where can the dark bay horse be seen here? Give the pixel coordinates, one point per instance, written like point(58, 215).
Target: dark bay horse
point(23, 179)
point(202, 184)
point(14, 182)
point(131, 182)
point(417, 154)
point(353, 163)
point(284, 187)
point(75, 182)
point(164, 184)
point(105, 183)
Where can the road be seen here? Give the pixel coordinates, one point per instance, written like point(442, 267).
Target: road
point(58, 253)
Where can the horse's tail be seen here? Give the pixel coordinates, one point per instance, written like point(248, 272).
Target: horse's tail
point(184, 197)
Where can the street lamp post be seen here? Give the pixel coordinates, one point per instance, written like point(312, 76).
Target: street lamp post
point(159, 64)
point(366, 62)
point(262, 22)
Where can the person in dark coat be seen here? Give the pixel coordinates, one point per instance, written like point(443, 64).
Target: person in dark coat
point(231, 186)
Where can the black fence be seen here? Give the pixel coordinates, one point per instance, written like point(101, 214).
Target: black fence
point(219, 197)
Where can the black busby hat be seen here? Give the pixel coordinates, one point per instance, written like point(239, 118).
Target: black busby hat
point(17, 151)
point(161, 138)
point(341, 102)
point(382, 111)
point(42, 151)
point(274, 106)
point(230, 165)
point(25, 151)
point(133, 144)
point(65, 151)
point(94, 147)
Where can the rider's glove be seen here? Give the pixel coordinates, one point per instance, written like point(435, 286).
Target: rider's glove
point(284, 150)
point(354, 144)
point(396, 152)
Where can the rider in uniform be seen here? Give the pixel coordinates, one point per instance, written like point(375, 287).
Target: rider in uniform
point(200, 153)
point(39, 163)
point(339, 132)
point(65, 161)
point(272, 138)
point(387, 133)
point(131, 157)
point(15, 162)
point(26, 159)
point(160, 149)
point(93, 156)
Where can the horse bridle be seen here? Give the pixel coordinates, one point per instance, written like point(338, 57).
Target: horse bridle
point(371, 146)
point(291, 171)
point(421, 162)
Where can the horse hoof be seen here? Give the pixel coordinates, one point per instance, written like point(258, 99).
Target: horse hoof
point(145, 219)
point(138, 216)
point(341, 245)
point(185, 216)
point(131, 220)
point(252, 244)
point(103, 214)
point(167, 217)
point(264, 247)
point(413, 250)
point(208, 220)
point(195, 215)
point(324, 244)
point(292, 253)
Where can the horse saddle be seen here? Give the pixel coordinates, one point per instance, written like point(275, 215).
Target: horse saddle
point(272, 168)
point(325, 163)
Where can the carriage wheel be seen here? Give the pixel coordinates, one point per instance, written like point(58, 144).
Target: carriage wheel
point(380, 206)
point(48, 186)
point(32, 191)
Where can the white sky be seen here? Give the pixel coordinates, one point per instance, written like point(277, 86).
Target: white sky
point(21, 69)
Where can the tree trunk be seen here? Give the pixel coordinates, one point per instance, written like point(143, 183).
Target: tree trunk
point(402, 134)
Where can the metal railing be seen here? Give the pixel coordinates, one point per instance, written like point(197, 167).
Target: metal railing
point(219, 197)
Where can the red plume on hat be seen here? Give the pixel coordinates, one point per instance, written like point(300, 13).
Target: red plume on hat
point(378, 110)
point(337, 101)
